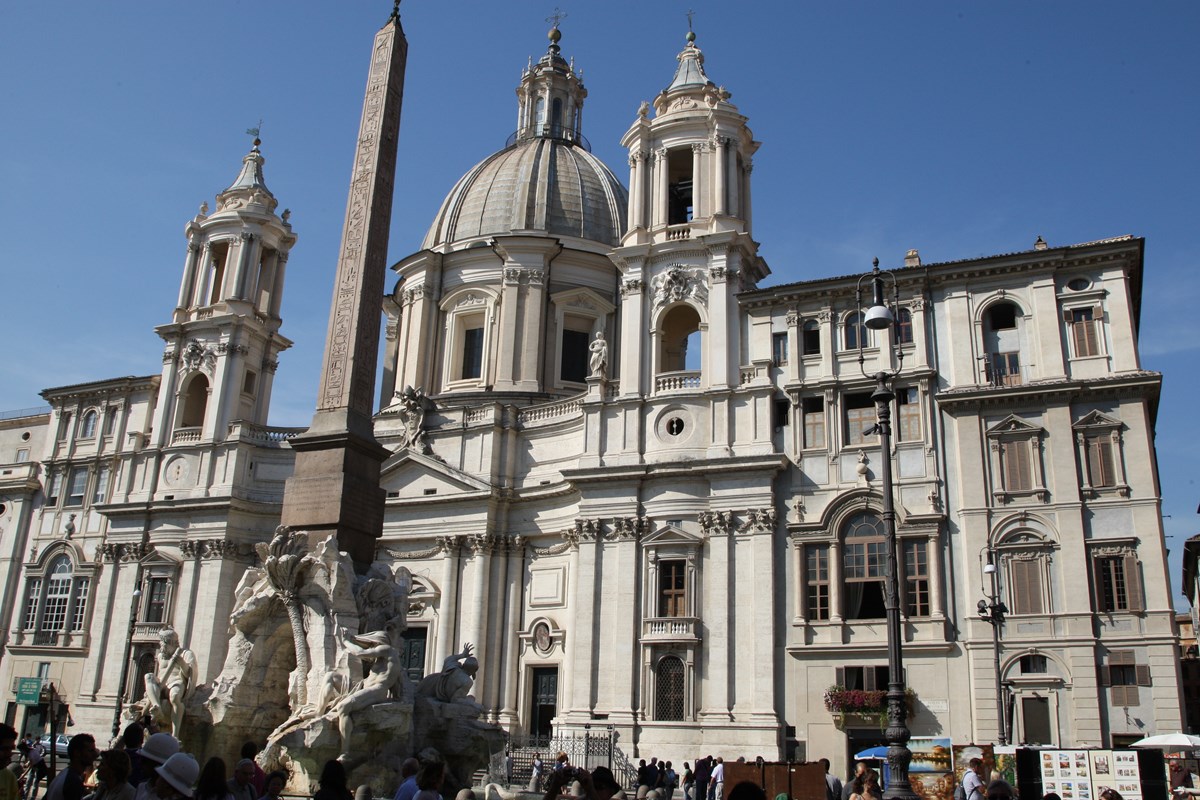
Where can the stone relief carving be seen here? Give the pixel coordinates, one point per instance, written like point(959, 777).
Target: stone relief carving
point(679, 283)
point(196, 356)
point(632, 286)
point(716, 523)
point(413, 405)
point(758, 520)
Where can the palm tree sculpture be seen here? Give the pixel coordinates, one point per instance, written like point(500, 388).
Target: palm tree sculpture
point(287, 564)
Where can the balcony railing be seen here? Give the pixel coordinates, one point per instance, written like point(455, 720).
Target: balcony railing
point(674, 381)
point(1002, 369)
point(559, 133)
point(670, 629)
point(46, 637)
point(185, 435)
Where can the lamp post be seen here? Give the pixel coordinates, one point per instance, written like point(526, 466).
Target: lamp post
point(881, 317)
point(133, 610)
point(992, 612)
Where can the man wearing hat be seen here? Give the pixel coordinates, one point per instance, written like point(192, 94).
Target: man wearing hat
point(68, 784)
point(176, 777)
point(157, 750)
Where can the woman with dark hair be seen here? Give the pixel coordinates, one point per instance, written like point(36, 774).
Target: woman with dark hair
point(1111, 794)
point(858, 787)
point(112, 777)
point(333, 782)
point(429, 780)
point(213, 783)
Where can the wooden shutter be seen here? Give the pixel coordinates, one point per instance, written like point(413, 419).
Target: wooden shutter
point(1143, 674)
point(840, 676)
point(1133, 584)
point(1104, 674)
point(1016, 466)
point(1027, 587)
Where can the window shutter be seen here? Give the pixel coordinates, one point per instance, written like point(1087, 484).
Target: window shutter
point(1027, 587)
point(1068, 316)
point(1097, 584)
point(1133, 583)
point(840, 676)
point(1090, 336)
point(1104, 674)
point(1016, 466)
point(1143, 674)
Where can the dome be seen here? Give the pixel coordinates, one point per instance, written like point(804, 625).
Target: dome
point(540, 183)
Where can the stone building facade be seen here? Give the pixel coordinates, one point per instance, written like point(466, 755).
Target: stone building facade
point(637, 478)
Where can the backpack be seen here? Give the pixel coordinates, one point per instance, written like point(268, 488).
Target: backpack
point(960, 793)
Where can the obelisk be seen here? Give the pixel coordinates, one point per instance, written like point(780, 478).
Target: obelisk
point(335, 486)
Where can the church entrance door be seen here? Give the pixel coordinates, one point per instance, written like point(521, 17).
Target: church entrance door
point(544, 701)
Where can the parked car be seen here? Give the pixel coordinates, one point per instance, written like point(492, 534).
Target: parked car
point(60, 744)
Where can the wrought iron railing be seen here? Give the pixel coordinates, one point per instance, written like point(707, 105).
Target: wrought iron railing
point(590, 749)
point(558, 133)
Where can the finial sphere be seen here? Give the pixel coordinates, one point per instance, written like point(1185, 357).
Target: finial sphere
point(691, 36)
point(554, 35)
point(875, 263)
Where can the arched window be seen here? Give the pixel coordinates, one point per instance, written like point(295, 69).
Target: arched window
point(863, 566)
point(904, 327)
point(1002, 344)
point(540, 112)
point(669, 690)
point(681, 340)
point(854, 332)
point(87, 425)
point(195, 402)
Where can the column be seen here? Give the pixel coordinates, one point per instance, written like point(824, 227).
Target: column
point(721, 178)
point(635, 182)
point(528, 370)
point(735, 182)
point(835, 576)
point(495, 617)
point(504, 344)
point(281, 259)
point(240, 279)
point(203, 286)
point(448, 607)
point(761, 699)
point(475, 615)
point(659, 201)
point(513, 624)
point(699, 207)
point(187, 285)
point(747, 211)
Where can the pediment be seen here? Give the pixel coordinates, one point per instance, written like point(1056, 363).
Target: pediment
point(158, 557)
point(411, 474)
point(1014, 425)
point(582, 299)
point(1096, 419)
point(672, 535)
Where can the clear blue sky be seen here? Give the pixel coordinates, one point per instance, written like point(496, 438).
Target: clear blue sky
point(961, 129)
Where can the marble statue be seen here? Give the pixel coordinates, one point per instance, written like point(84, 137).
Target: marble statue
point(413, 404)
point(168, 687)
point(598, 365)
point(454, 682)
point(380, 649)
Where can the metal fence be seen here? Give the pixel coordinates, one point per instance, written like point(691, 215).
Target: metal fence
point(588, 749)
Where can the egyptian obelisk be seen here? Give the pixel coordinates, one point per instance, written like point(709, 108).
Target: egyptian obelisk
point(335, 486)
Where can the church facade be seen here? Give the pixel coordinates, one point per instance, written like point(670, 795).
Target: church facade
point(641, 481)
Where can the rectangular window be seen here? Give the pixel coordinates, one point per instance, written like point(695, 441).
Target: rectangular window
point(33, 596)
point(1117, 583)
point(814, 421)
point(1026, 577)
point(781, 412)
point(58, 595)
point(1100, 465)
point(101, 492)
point(908, 414)
point(860, 416)
point(53, 487)
point(1004, 369)
point(110, 420)
point(76, 487)
point(1124, 675)
point(22, 455)
point(672, 588)
point(1084, 331)
point(249, 381)
point(64, 426)
point(779, 348)
point(156, 600)
point(1017, 473)
point(574, 362)
point(79, 603)
point(811, 338)
point(472, 359)
point(816, 580)
point(916, 574)
point(868, 679)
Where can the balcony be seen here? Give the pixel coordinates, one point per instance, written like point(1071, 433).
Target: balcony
point(1001, 369)
point(670, 629)
point(185, 435)
point(680, 380)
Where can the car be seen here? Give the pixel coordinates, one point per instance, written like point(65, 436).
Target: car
point(60, 744)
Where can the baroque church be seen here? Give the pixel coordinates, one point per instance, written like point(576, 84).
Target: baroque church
point(643, 482)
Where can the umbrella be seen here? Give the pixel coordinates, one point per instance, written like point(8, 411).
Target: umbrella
point(872, 752)
point(1179, 741)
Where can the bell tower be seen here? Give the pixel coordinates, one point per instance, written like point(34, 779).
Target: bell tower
point(223, 342)
point(688, 249)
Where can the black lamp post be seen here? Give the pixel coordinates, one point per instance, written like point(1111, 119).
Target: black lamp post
point(992, 612)
point(133, 611)
point(881, 317)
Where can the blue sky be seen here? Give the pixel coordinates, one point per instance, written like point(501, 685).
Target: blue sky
point(961, 129)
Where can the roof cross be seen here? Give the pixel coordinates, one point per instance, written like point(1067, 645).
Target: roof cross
point(556, 17)
point(691, 13)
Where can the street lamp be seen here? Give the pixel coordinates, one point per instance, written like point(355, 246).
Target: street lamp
point(881, 317)
point(133, 610)
point(992, 612)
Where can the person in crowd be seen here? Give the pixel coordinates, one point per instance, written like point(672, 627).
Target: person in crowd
point(652, 776)
point(176, 777)
point(1107, 794)
point(408, 779)
point(972, 781)
point(561, 761)
point(871, 785)
point(259, 781)
point(535, 773)
point(669, 779)
point(833, 784)
point(333, 782)
point(1180, 777)
point(689, 782)
point(157, 751)
point(132, 739)
point(641, 773)
point(1051, 796)
point(274, 785)
point(213, 783)
point(112, 777)
point(37, 771)
point(703, 776)
point(717, 782)
point(81, 755)
point(8, 780)
point(1002, 790)
point(241, 785)
point(860, 769)
point(857, 787)
point(429, 781)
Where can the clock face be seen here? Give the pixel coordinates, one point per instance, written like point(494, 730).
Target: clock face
point(176, 471)
point(541, 637)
